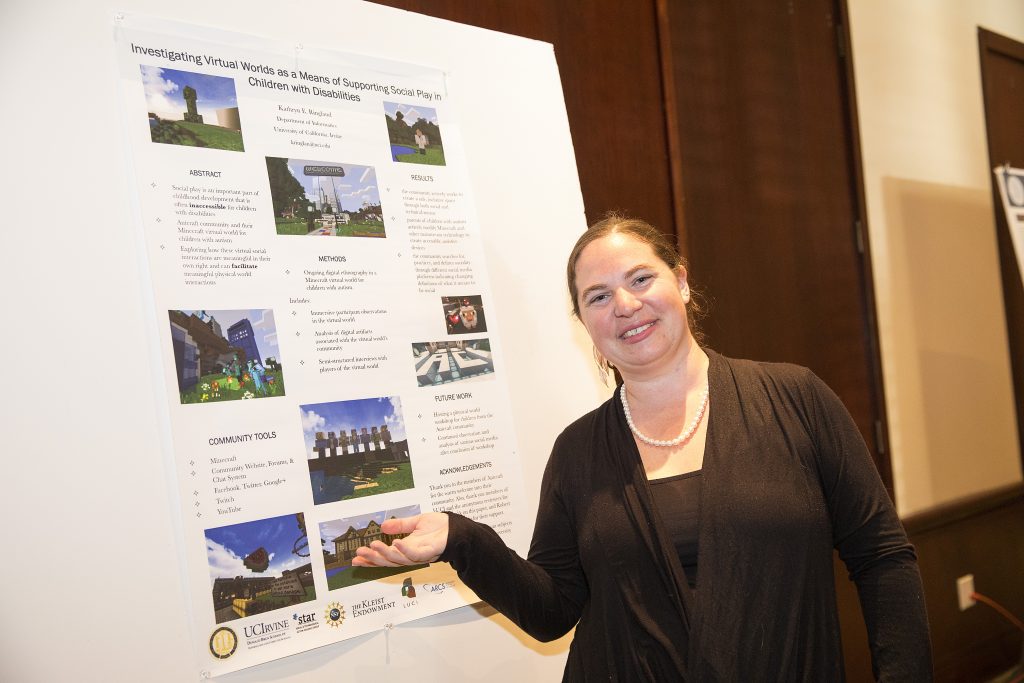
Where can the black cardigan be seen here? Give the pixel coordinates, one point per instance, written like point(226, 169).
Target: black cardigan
point(786, 477)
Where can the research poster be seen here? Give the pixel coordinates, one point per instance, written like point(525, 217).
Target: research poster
point(325, 326)
point(1011, 190)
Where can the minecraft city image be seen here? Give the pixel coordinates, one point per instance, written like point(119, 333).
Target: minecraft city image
point(226, 355)
point(328, 199)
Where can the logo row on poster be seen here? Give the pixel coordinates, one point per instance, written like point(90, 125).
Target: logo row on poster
point(225, 641)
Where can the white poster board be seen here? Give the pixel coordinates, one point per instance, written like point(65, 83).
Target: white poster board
point(98, 497)
point(332, 354)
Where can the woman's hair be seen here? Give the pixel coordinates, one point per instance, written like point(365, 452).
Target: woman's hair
point(643, 231)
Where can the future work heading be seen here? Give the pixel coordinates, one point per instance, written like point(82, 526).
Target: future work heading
point(260, 81)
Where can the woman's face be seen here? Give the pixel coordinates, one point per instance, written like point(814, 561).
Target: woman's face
point(633, 305)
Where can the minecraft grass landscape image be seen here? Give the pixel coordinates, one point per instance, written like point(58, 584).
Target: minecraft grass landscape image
point(192, 109)
point(414, 134)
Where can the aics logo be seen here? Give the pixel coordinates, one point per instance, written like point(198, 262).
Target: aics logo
point(438, 587)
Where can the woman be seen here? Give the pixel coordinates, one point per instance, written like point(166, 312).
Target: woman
point(688, 523)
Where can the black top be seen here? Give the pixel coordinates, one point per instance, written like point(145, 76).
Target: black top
point(786, 477)
point(677, 500)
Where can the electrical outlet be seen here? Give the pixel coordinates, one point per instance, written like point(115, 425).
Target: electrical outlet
point(964, 589)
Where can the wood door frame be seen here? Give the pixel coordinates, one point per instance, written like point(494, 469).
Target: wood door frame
point(859, 229)
point(882, 440)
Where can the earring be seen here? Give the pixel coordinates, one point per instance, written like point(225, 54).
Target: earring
point(602, 366)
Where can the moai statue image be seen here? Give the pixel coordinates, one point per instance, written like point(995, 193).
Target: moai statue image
point(375, 436)
point(343, 442)
point(354, 438)
point(333, 442)
point(192, 115)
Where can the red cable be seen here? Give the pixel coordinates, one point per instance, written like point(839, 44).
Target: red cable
point(1009, 617)
point(1002, 610)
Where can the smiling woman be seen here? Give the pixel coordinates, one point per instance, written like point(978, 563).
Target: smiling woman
point(633, 305)
point(686, 526)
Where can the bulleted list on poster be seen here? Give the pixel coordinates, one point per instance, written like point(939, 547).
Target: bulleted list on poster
point(326, 328)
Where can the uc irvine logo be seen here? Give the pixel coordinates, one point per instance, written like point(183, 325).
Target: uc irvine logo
point(334, 614)
point(223, 643)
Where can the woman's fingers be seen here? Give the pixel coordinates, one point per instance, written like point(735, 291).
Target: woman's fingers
point(379, 554)
point(419, 548)
point(426, 537)
point(403, 525)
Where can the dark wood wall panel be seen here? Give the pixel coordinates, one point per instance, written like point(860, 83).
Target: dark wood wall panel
point(608, 59)
point(1002, 71)
point(769, 176)
point(980, 535)
point(983, 536)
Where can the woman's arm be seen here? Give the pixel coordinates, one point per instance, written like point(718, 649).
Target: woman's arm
point(543, 594)
point(872, 543)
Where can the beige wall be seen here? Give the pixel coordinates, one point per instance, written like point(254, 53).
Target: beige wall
point(932, 230)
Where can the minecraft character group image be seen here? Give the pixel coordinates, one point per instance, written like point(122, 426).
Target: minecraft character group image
point(226, 355)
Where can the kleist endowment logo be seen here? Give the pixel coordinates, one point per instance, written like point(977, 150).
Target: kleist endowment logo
point(408, 590)
point(223, 643)
point(370, 606)
point(334, 614)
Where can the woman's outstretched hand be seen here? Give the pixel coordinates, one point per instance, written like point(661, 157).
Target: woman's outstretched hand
point(427, 539)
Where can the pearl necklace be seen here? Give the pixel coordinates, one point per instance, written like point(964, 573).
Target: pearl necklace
point(687, 433)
